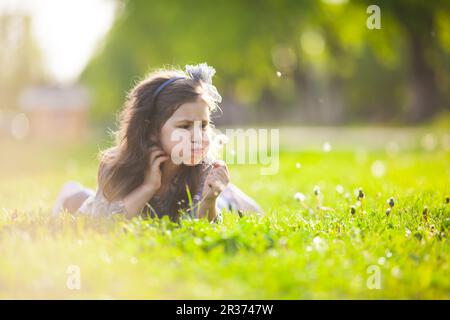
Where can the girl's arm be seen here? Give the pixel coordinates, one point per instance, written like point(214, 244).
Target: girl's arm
point(209, 209)
point(132, 204)
point(216, 180)
point(135, 201)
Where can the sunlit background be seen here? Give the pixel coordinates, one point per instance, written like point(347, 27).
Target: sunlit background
point(354, 106)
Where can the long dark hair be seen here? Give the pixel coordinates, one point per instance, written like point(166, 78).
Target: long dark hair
point(122, 166)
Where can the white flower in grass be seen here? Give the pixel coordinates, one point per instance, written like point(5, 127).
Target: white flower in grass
point(316, 190)
point(339, 189)
point(300, 197)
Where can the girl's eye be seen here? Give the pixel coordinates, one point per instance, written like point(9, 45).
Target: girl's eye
point(185, 126)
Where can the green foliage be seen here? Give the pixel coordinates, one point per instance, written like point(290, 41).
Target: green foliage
point(299, 250)
point(332, 67)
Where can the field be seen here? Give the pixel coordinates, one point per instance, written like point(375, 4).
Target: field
point(316, 240)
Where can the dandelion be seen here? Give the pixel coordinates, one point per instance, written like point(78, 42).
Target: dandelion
point(407, 232)
point(347, 196)
point(317, 194)
point(395, 272)
point(391, 202)
point(278, 74)
point(425, 214)
point(388, 211)
point(300, 197)
point(388, 253)
point(298, 165)
point(360, 194)
point(339, 189)
point(316, 190)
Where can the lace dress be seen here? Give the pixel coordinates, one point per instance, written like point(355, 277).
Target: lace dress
point(97, 205)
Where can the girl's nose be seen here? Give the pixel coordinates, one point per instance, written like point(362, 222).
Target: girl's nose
point(197, 134)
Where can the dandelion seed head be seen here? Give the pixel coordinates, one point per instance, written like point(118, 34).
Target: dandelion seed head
point(316, 190)
point(360, 193)
point(319, 244)
point(395, 272)
point(299, 196)
point(391, 202)
point(388, 211)
point(407, 232)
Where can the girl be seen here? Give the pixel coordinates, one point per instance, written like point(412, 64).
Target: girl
point(162, 162)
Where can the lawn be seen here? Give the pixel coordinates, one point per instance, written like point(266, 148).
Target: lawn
point(316, 240)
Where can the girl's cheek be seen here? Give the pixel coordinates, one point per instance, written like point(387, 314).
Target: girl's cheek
point(205, 140)
point(205, 144)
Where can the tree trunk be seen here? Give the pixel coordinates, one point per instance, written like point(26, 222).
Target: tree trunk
point(425, 102)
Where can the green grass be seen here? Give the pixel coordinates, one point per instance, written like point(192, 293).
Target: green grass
point(296, 251)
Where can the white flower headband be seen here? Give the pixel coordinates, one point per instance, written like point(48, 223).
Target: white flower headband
point(201, 72)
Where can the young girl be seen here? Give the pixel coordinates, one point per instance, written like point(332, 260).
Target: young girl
point(162, 163)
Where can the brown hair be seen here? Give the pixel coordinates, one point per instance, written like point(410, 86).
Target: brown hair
point(122, 166)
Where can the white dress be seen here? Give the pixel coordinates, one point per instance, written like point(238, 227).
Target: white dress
point(96, 205)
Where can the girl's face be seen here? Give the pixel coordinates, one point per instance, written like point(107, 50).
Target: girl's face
point(185, 135)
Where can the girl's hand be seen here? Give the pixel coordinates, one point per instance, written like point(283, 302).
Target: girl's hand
point(216, 181)
point(152, 178)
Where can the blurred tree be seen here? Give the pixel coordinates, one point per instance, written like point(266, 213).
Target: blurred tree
point(291, 60)
point(417, 20)
point(20, 59)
